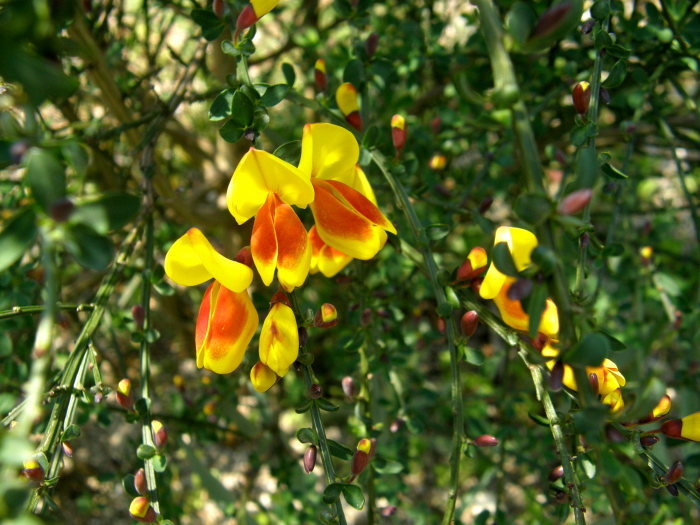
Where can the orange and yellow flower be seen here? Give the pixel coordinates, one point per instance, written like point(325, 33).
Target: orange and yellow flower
point(325, 259)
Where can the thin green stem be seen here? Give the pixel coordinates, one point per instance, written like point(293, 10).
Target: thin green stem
point(16, 311)
point(445, 312)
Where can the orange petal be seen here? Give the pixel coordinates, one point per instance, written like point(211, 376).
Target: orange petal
point(325, 259)
point(263, 241)
point(225, 325)
point(294, 251)
point(362, 205)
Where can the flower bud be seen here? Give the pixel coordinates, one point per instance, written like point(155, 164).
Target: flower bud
point(320, 78)
point(388, 511)
point(326, 317)
point(556, 473)
point(310, 459)
point(348, 385)
point(437, 162)
point(315, 391)
point(138, 315)
point(469, 323)
point(435, 125)
point(141, 510)
point(246, 19)
point(672, 490)
point(398, 132)
point(581, 96)
point(575, 202)
point(360, 458)
point(160, 435)
point(346, 98)
point(486, 441)
point(646, 253)
point(687, 428)
point(648, 441)
point(593, 381)
point(32, 470)
point(674, 473)
point(140, 484)
point(218, 8)
point(124, 396)
point(67, 449)
point(371, 44)
point(473, 266)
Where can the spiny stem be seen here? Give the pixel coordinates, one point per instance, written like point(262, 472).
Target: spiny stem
point(16, 311)
point(445, 312)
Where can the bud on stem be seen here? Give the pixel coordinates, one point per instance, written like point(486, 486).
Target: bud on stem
point(310, 459)
point(581, 96)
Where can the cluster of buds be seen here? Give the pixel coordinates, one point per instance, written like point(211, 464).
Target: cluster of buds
point(348, 104)
point(141, 510)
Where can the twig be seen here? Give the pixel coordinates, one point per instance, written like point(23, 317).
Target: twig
point(16, 311)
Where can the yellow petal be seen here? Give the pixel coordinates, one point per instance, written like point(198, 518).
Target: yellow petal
point(192, 260)
point(279, 339)
point(325, 259)
point(262, 7)
point(346, 98)
point(328, 152)
point(690, 428)
point(260, 173)
point(262, 377)
point(614, 399)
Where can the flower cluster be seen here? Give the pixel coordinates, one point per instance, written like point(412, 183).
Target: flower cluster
point(348, 224)
point(606, 377)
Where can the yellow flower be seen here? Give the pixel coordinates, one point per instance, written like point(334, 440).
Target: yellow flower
point(514, 316)
point(614, 399)
point(279, 339)
point(192, 260)
point(325, 259)
point(520, 244)
point(225, 325)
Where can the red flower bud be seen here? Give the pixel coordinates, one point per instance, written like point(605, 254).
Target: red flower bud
point(141, 510)
point(326, 317)
point(674, 473)
point(575, 202)
point(474, 265)
point(160, 434)
point(218, 8)
point(315, 391)
point(361, 457)
point(485, 205)
point(140, 484)
point(32, 470)
point(593, 381)
point(469, 323)
point(436, 124)
point(280, 297)
point(246, 19)
point(310, 459)
point(348, 384)
point(672, 428)
point(124, 397)
point(486, 441)
point(398, 132)
point(320, 75)
point(672, 490)
point(556, 473)
point(648, 441)
point(581, 96)
point(61, 210)
point(371, 44)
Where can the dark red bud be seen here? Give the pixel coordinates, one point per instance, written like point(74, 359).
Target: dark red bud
point(218, 8)
point(140, 484)
point(310, 459)
point(648, 441)
point(320, 80)
point(485, 205)
point(348, 384)
point(436, 124)
point(469, 323)
point(61, 210)
point(440, 325)
point(280, 297)
point(138, 315)
point(581, 96)
point(246, 19)
point(551, 19)
point(371, 44)
point(315, 391)
point(556, 473)
point(360, 460)
point(587, 26)
point(674, 473)
point(355, 120)
point(672, 428)
point(575, 202)
point(486, 441)
point(33, 471)
point(160, 434)
point(593, 381)
point(561, 497)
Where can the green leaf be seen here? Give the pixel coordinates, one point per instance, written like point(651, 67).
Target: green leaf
point(289, 75)
point(274, 95)
point(602, 39)
point(16, 237)
point(90, 249)
point(667, 283)
point(533, 208)
point(590, 351)
point(600, 9)
point(307, 435)
point(354, 73)
point(536, 303)
point(303, 408)
point(540, 420)
point(332, 493)
point(221, 107)
point(617, 75)
point(581, 134)
point(473, 356)
point(261, 119)
point(504, 260)
point(289, 152)
point(211, 26)
point(242, 108)
point(353, 495)
point(71, 432)
point(612, 172)
point(386, 466)
point(231, 131)
point(339, 450)
point(107, 213)
point(615, 344)
point(45, 176)
point(326, 405)
point(647, 398)
point(545, 258)
point(618, 51)
point(520, 21)
point(128, 484)
point(145, 451)
point(160, 463)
